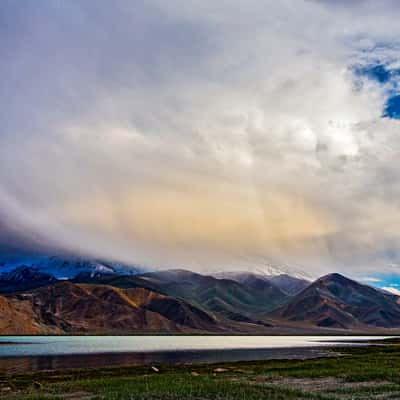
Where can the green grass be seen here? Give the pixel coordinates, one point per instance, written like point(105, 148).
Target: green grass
point(166, 386)
point(360, 373)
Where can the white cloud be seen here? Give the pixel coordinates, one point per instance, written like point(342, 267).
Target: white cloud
point(370, 279)
point(201, 133)
point(392, 290)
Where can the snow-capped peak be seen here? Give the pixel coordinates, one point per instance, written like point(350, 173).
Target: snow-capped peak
point(69, 267)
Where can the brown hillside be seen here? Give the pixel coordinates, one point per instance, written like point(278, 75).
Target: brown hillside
point(66, 307)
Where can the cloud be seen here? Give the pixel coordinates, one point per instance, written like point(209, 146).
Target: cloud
point(208, 135)
point(370, 279)
point(392, 290)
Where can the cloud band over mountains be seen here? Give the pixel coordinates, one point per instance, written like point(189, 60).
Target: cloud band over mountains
point(201, 134)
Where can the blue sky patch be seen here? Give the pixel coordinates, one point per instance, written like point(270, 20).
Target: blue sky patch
point(384, 281)
point(392, 108)
point(389, 78)
point(378, 73)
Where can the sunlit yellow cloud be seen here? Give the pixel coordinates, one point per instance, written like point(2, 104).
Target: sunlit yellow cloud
point(216, 220)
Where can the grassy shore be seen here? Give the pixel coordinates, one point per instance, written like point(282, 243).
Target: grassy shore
point(368, 372)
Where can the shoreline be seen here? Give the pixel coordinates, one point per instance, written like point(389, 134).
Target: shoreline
point(360, 371)
point(31, 363)
point(64, 362)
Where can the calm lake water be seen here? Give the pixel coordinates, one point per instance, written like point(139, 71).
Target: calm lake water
point(33, 353)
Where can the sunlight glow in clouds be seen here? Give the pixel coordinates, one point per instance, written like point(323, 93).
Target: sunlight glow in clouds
point(203, 135)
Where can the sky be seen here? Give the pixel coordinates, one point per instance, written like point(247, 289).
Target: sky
point(202, 134)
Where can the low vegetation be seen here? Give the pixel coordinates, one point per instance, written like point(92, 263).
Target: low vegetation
point(359, 373)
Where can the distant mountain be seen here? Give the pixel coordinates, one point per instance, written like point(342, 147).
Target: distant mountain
point(334, 301)
point(118, 281)
point(222, 297)
point(269, 270)
point(66, 307)
point(69, 267)
point(263, 286)
point(289, 284)
point(24, 278)
point(264, 270)
point(238, 276)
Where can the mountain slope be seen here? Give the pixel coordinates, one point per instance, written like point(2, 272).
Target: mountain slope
point(289, 284)
point(224, 297)
point(258, 284)
point(339, 302)
point(19, 318)
point(66, 307)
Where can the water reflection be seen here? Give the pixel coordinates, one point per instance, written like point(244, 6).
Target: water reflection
point(39, 353)
point(12, 365)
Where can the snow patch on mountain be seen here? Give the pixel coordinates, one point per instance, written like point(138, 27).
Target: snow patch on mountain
point(69, 267)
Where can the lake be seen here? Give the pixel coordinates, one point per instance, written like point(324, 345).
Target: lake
point(37, 353)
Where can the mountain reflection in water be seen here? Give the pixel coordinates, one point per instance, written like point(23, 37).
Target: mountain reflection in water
point(12, 365)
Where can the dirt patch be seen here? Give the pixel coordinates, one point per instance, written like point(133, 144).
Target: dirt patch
point(319, 384)
point(78, 396)
point(339, 388)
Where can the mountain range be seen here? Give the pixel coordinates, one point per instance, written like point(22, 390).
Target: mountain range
point(62, 267)
point(104, 298)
